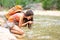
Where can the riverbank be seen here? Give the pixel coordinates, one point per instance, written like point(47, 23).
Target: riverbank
point(39, 12)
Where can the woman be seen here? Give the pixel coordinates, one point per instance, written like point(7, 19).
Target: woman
point(21, 19)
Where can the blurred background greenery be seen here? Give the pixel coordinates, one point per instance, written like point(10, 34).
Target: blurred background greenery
point(46, 4)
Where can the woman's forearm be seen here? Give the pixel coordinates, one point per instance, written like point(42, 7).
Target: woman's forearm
point(23, 24)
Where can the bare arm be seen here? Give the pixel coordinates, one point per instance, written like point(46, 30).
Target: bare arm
point(21, 22)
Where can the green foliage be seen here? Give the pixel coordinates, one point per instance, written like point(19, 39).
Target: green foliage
point(58, 4)
point(10, 3)
point(36, 1)
point(6, 3)
point(48, 4)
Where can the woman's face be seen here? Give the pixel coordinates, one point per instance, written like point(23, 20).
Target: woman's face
point(29, 17)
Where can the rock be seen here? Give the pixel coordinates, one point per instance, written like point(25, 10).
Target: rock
point(20, 36)
point(6, 35)
point(34, 6)
point(30, 34)
point(1, 21)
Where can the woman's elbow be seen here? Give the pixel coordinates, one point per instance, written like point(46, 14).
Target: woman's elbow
point(20, 25)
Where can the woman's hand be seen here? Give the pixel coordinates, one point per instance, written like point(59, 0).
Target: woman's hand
point(30, 22)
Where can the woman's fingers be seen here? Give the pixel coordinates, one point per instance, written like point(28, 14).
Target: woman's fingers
point(30, 22)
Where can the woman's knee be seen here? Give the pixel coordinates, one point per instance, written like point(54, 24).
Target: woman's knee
point(21, 32)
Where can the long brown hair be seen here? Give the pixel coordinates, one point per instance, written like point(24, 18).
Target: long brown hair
point(28, 13)
point(26, 20)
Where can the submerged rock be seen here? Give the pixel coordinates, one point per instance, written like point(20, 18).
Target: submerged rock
point(6, 35)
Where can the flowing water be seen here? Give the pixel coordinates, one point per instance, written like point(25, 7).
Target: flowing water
point(44, 28)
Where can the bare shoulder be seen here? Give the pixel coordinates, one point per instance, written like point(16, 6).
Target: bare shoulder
point(20, 15)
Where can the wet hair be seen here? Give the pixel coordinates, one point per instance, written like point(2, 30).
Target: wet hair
point(26, 20)
point(29, 13)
